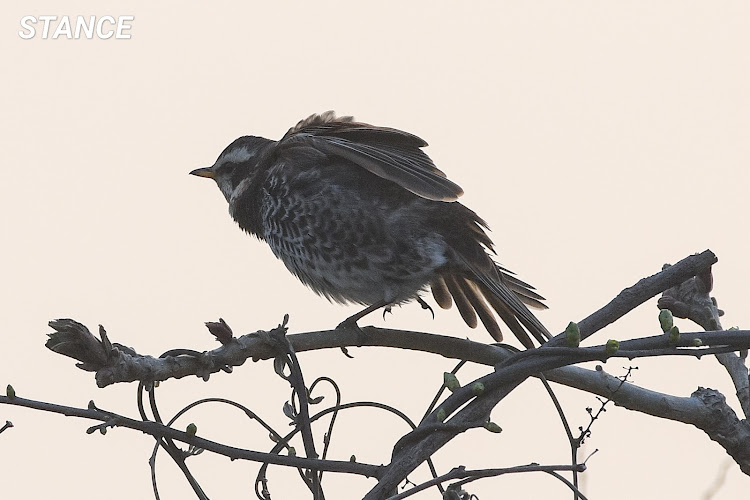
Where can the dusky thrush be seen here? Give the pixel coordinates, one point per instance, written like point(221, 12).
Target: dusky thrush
point(361, 214)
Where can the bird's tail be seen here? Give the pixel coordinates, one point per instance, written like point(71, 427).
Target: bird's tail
point(480, 292)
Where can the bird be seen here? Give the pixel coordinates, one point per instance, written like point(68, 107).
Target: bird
point(360, 214)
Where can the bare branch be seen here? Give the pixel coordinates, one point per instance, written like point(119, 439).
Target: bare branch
point(463, 473)
point(691, 300)
point(116, 363)
point(706, 409)
point(723, 426)
point(632, 297)
point(128, 366)
point(158, 430)
point(8, 424)
point(691, 277)
point(122, 364)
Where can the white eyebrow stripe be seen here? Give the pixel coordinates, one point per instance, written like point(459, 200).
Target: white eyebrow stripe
point(237, 155)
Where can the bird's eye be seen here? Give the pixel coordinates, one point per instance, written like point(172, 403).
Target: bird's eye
point(225, 168)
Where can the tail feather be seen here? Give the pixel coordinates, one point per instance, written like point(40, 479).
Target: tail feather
point(440, 293)
point(477, 300)
point(509, 318)
point(476, 292)
point(462, 302)
point(524, 291)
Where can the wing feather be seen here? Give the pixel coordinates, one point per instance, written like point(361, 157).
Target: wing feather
point(386, 152)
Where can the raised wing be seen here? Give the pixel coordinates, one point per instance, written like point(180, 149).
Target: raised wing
point(386, 152)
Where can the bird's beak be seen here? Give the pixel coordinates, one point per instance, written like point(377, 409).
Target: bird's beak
point(203, 172)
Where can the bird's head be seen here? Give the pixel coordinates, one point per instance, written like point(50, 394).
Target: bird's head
point(236, 166)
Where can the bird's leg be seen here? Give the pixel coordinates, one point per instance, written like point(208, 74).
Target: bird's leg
point(425, 305)
point(351, 321)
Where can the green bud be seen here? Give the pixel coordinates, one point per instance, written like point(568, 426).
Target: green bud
point(674, 335)
point(477, 388)
point(493, 427)
point(450, 381)
point(697, 342)
point(441, 415)
point(666, 320)
point(10, 392)
point(733, 328)
point(612, 347)
point(572, 334)
point(191, 429)
point(103, 431)
point(353, 458)
point(292, 451)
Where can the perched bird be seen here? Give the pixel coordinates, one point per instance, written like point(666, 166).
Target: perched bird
point(360, 214)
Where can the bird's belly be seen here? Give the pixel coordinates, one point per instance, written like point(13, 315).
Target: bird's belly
point(383, 271)
point(350, 245)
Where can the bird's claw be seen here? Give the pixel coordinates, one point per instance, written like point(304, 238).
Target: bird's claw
point(361, 336)
point(425, 305)
point(387, 310)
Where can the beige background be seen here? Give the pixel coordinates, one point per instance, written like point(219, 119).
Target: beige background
point(598, 139)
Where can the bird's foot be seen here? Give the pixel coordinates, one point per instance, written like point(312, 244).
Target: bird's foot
point(425, 305)
point(350, 324)
point(387, 310)
point(351, 321)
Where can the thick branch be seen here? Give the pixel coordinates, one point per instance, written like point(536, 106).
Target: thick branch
point(706, 409)
point(116, 363)
point(632, 297)
point(121, 364)
point(691, 299)
point(127, 366)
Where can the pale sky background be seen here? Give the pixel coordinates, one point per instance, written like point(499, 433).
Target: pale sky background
point(598, 139)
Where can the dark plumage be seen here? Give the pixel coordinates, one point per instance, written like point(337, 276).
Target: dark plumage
point(361, 214)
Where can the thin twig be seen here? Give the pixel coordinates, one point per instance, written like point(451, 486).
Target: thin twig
point(470, 475)
point(302, 420)
point(571, 441)
point(159, 430)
